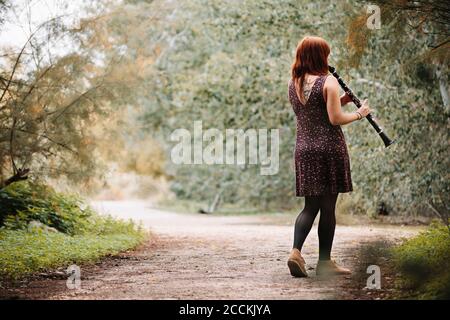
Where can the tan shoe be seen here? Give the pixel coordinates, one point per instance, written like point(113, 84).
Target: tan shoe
point(330, 268)
point(296, 264)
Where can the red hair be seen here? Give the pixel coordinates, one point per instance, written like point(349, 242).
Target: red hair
point(312, 58)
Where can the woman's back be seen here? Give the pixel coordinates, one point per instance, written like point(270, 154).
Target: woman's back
point(313, 124)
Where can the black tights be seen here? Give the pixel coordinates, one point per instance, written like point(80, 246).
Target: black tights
point(327, 223)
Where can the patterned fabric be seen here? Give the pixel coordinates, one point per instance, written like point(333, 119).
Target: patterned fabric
point(322, 164)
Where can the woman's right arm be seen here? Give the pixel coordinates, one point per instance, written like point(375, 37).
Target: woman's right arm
point(334, 109)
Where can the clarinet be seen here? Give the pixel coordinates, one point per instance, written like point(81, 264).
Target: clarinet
point(357, 102)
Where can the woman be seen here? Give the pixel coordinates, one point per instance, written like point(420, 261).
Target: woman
point(322, 165)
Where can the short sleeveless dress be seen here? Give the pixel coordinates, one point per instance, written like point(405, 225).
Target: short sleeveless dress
point(322, 163)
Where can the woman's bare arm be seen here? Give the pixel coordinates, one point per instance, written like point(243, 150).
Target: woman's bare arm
point(334, 108)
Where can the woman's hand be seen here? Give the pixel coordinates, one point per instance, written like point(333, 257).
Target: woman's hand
point(365, 109)
point(345, 99)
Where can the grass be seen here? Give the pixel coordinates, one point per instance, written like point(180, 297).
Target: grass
point(42, 229)
point(23, 253)
point(424, 262)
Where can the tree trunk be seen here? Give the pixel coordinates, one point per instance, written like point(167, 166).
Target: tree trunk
point(214, 205)
point(443, 85)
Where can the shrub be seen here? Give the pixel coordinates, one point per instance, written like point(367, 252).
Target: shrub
point(23, 202)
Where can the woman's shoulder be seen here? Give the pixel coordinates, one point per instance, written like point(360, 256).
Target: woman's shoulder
point(329, 81)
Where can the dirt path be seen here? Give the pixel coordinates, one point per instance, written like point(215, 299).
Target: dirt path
point(209, 257)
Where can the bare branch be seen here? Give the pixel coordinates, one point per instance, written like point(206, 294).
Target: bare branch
point(16, 63)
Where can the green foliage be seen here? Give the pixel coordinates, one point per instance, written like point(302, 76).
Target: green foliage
point(23, 202)
point(23, 252)
point(406, 83)
point(227, 63)
point(82, 236)
point(424, 262)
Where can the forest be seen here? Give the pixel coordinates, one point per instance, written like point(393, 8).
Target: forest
point(175, 64)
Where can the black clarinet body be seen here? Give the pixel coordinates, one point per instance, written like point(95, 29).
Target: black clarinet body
point(357, 102)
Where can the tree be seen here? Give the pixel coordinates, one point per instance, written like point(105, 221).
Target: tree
point(53, 89)
point(228, 65)
point(4, 6)
point(409, 55)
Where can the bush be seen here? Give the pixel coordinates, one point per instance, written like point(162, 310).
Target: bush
point(23, 202)
point(424, 262)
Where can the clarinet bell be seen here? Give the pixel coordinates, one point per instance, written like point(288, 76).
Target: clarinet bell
point(386, 140)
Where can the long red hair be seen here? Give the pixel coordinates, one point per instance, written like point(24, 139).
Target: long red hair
point(312, 58)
